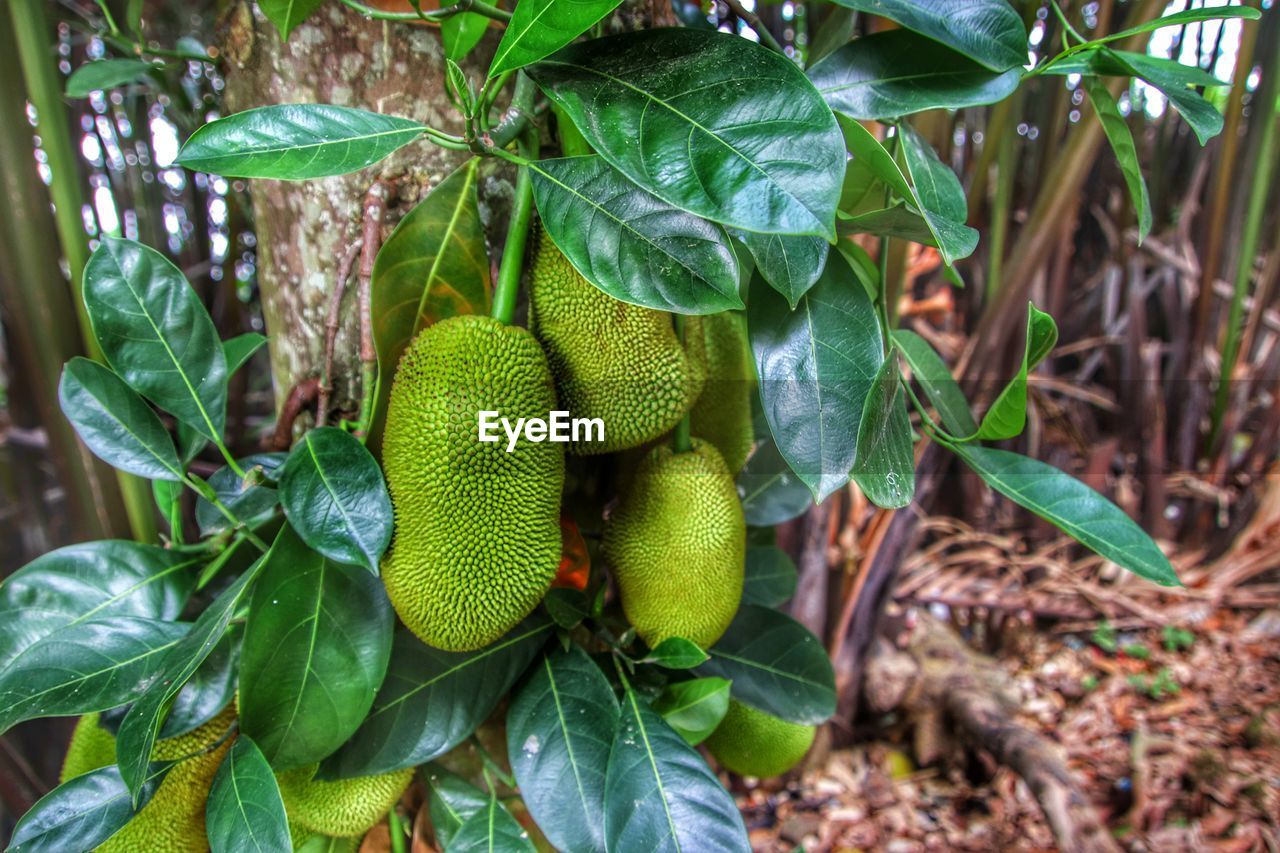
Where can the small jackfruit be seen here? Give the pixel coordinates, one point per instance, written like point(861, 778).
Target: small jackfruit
point(173, 819)
point(306, 841)
point(750, 742)
point(477, 529)
point(722, 414)
point(677, 546)
point(611, 360)
point(343, 807)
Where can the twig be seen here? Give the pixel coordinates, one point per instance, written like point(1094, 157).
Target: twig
point(301, 395)
point(375, 205)
point(753, 20)
point(331, 325)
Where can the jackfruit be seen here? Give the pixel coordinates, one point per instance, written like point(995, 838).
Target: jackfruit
point(677, 546)
point(722, 414)
point(343, 807)
point(611, 360)
point(173, 819)
point(306, 841)
point(477, 529)
point(750, 742)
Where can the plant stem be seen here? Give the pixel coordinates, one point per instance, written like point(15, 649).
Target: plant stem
point(508, 285)
point(138, 49)
point(446, 140)
point(882, 262)
point(395, 828)
point(572, 142)
point(682, 436)
point(753, 20)
point(479, 7)
point(106, 13)
point(206, 491)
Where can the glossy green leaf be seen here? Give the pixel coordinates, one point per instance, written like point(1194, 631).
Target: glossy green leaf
point(988, 31)
point(1073, 507)
point(93, 580)
point(252, 499)
point(1008, 414)
point(939, 197)
point(870, 152)
point(240, 349)
point(451, 801)
point(884, 467)
point(431, 700)
point(245, 811)
point(896, 73)
point(83, 812)
point(1174, 80)
point(897, 221)
point(433, 266)
point(709, 122)
point(208, 690)
point(461, 33)
point(676, 653)
point(286, 15)
point(138, 730)
point(560, 728)
point(115, 423)
point(567, 606)
point(791, 265)
point(294, 142)
point(770, 578)
point(335, 497)
point(105, 74)
point(771, 492)
point(660, 795)
point(538, 28)
point(694, 708)
point(1121, 139)
point(491, 830)
point(816, 365)
point(776, 665)
point(1178, 19)
point(631, 244)
point(85, 667)
point(155, 333)
point(1108, 62)
point(316, 649)
point(928, 369)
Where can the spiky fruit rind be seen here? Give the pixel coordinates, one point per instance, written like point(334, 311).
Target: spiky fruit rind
point(722, 414)
point(306, 841)
point(611, 360)
point(750, 742)
point(342, 807)
point(477, 531)
point(677, 546)
point(91, 747)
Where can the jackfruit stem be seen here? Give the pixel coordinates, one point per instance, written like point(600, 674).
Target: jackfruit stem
point(395, 828)
point(572, 142)
point(508, 285)
point(682, 436)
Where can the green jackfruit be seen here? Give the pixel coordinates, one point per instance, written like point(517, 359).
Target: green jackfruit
point(617, 362)
point(305, 841)
point(343, 807)
point(173, 820)
point(753, 743)
point(722, 414)
point(677, 546)
point(477, 529)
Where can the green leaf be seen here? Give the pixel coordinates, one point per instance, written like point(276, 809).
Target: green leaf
point(106, 74)
point(709, 122)
point(208, 690)
point(987, 31)
point(253, 499)
point(245, 811)
point(1178, 19)
point(83, 812)
point(93, 580)
point(1113, 124)
point(770, 578)
point(884, 467)
point(155, 333)
point(928, 368)
point(1174, 80)
point(293, 142)
point(137, 734)
point(694, 708)
point(897, 220)
point(816, 365)
point(451, 802)
point(334, 496)
point(85, 667)
point(1108, 62)
point(791, 265)
point(240, 349)
point(870, 154)
point(461, 33)
point(1008, 414)
point(776, 665)
point(559, 730)
point(939, 196)
point(491, 830)
point(676, 653)
point(431, 700)
point(433, 266)
point(896, 73)
point(316, 649)
point(115, 422)
point(660, 795)
point(538, 28)
point(631, 244)
point(771, 493)
point(285, 15)
point(567, 606)
point(1073, 507)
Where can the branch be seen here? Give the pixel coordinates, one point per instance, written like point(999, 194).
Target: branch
point(753, 21)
